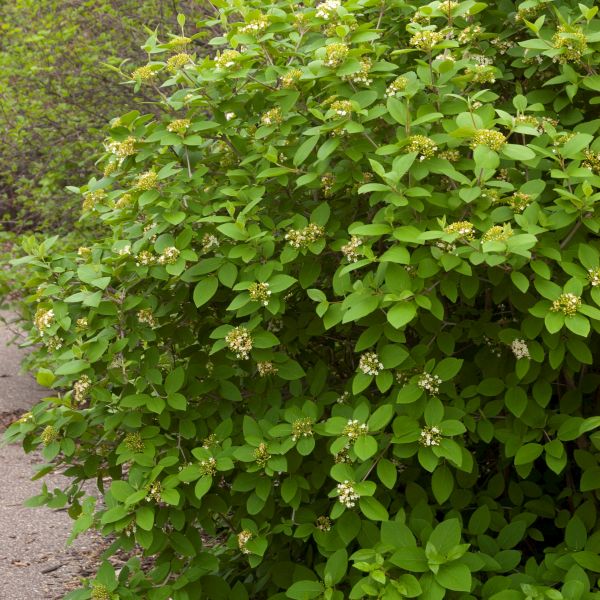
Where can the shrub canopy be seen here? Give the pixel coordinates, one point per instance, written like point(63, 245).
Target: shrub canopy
point(340, 340)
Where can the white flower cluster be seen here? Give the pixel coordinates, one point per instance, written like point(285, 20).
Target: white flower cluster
point(81, 388)
point(301, 238)
point(266, 368)
point(520, 349)
point(125, 250)
point(260, 292)
point(354, 429)
point(257, 25)
point(208, 466)
point(328, 9)
point(145, 316)
point(169, 256)
point(350, 250)
point(43, 319)
point(494, 347)
point(343, 397)
point(302, 428)
point(594, 277)
point(239, 341)
point(370, 364)
point(430, 383)
point(243, 538)
point(430, 436)
point(347, 494)
point(209, 241)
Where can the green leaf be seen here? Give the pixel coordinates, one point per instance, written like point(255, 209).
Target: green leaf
point(205, 290)
point(528, 453)
point(304, 590)
point(401, 314)
point(454, 576)
point(365, 447)
point(517, 152)
point(373, 509)
point(442, 484)
point(304, 150)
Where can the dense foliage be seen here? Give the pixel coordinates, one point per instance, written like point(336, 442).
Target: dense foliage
point(56, 96)
point(340, 340)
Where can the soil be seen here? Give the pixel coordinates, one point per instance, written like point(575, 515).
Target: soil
point(35, 562)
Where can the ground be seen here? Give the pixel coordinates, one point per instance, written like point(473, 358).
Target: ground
point(35, 563)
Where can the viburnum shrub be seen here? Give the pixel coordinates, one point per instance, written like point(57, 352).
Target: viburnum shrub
point(339, 340)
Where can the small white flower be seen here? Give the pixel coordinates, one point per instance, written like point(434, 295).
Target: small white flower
point(347, 494)
point(520, 349)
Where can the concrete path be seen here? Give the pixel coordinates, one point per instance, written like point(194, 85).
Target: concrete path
point(35, 563)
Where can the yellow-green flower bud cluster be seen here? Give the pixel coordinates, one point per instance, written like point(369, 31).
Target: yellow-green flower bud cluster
point(398, 85)
point(124, 201)
point(302, 428)
point(497, 233)
point(145, 317)
point(370, 364)
point(261, 455)
point(572, 41)
point(49, 435)
point(430, 436)
point(424, 146)
point(134, 443)
point(272, 117)
point(91, 199)
point(122, 149)
point(239, 342)
point(228, 59)
point(178, 61)
point(336, 54)
point(463, 229)
point(301, 238)
point(289, 79)
point(243, 538)
point(179, 43)
point(519, 201)
point(491, 138)
point(210, 442)
point(426, 39)
point(342, 108)
point(100, 592)
point(144, 73)
point(354, 429)
point(179, 126)
point(592, 161)
point(147, 181)
point(260, 292)
point(323, 523)
point(450, 155)
point(567, 303)
point(481, 74)
point(154, 492)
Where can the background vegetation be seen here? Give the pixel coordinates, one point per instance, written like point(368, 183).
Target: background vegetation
point(56, 96)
